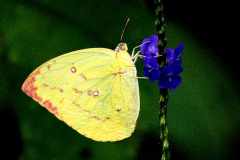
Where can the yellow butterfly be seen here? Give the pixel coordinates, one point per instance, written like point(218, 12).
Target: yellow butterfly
point(95, 91)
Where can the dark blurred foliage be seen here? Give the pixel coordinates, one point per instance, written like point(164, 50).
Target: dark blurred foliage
point(203, 114)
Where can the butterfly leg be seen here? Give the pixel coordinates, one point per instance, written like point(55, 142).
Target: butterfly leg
point(135, 57)
point(142, 77)
point(134, 50)
point(137, 77)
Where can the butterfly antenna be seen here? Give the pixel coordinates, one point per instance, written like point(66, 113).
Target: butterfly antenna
point(125, 26)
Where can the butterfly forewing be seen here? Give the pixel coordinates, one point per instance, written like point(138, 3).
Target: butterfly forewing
point(86, 90)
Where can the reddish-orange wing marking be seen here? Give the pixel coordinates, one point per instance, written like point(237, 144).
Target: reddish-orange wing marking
point(31, 90)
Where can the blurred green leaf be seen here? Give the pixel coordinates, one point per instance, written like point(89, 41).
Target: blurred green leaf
point(202, 113)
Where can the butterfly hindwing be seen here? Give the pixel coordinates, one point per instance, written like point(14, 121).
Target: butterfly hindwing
point(82, 89)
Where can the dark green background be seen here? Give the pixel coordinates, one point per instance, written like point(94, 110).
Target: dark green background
point(203, 113)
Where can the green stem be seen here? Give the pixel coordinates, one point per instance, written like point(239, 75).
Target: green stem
point(161, 32)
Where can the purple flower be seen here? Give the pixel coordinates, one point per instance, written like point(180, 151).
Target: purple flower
point(152, 73)
point(169, 82)
point(174, 54)
point(149, 50)
point(151, 62)
point(167, 75)
point(149, 46)
point(171, 69)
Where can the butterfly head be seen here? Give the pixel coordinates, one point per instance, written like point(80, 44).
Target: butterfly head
point(121, 47)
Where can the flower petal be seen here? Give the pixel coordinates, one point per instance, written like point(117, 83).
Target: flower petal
point(169, 82)
point(149, 46)
point(173, 69)
point(170, 55)
point(174, 54)
point(152, 74)
point(151, 63)
point(179, 49)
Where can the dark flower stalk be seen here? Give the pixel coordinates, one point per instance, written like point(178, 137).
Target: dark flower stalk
point(162, 42)
point(163, 65)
